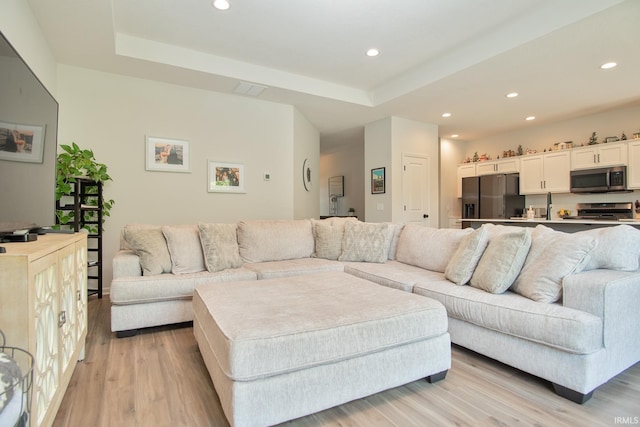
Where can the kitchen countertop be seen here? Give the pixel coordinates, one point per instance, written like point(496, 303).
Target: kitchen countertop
point(560, 224)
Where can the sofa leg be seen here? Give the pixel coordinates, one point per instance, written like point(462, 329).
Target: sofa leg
point(127, 333)
point(572, 395)
point(437, 377)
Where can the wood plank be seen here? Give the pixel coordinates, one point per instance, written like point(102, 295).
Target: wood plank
point(158, 378)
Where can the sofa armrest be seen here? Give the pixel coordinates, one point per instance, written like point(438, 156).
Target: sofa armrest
point(614, 297)
point(126, 264)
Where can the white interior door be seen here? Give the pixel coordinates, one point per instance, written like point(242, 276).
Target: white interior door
point(415, 189)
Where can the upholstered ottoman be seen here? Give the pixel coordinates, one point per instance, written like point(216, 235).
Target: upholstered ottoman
point(280, 349)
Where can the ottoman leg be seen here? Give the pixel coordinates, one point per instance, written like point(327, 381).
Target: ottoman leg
point(437, 377)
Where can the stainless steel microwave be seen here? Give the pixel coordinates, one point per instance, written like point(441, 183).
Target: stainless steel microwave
point(599, 180)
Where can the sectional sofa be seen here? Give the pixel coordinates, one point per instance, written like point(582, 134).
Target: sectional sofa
point(561, 306)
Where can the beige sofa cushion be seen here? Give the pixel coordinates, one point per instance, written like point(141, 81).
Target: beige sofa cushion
point(275, 240)
point(329, 239)
point(149, 244)
point(185, 249)
point(553, 255)
point(502, 261)
point(466, 257)
point(220, 246)
point(618, 248)
point(367, 242)
point(427, 247)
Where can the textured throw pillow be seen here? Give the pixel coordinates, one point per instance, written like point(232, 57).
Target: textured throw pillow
point(394, 235)
point(502, 260)
point(364, 242)
point(185, 249)
point(553, 255)
point(151, 247)
point(466, 257)
point(618, 248)
point(329, 239)
point(220, 246)
point(429, 248)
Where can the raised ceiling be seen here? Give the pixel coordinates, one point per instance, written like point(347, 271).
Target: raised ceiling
point(436, 56)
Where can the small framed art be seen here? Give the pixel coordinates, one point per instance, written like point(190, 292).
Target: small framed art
point(21, 143)
point(377, 181)
point(226, 177)
point(167, 155)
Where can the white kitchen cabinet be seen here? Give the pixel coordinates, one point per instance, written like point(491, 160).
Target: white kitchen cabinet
point(633, 168)
point(464, 171)
point(43, 309)
point(600, 155)
point(508, 165)
point(544, 173)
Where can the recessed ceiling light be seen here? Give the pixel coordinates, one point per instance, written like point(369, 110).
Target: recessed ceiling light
point(530, 118)
point(455, 135)
point(608, 65)
point(220, 4)
point(512, 95)
point(446, 115)
point(373, 52)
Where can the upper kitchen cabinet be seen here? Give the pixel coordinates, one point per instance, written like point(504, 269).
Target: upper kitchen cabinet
point(544, 173)
point(464, 171)
point(508, 165)
point(633, 168)
point(595, 156)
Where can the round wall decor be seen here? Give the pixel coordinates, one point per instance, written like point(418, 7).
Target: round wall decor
point(306, 175)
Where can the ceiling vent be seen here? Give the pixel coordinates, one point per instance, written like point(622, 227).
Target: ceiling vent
point(249, 89)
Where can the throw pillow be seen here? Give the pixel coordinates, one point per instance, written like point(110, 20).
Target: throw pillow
point(329, 239)
point(466, 257)
point(364, 242)
point(185, 249)
point(553, 255)
point(220, 246)
point(151, 247)
point(429, 248)
point(502, 261)
point(618, 248)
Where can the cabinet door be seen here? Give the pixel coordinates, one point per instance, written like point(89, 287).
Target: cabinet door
point(464, 171)
point(612, 154)
point(556, 172)
point(486, 168)
point(532, 175)
point(584, 158)
point(81, 293)
point(68, 320)
point(633, 170)
point(46, 345)
point(509, 165)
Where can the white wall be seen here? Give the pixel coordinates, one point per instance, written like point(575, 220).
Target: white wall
point(111, 115)
point(306, 202)
point(451, 151)
point(20, 27)
point(344, 159)
point(386, 142)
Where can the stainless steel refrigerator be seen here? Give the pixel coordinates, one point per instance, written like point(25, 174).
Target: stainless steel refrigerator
point(492, 196)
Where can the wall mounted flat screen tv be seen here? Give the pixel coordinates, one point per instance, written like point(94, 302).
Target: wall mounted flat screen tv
point(28, 140)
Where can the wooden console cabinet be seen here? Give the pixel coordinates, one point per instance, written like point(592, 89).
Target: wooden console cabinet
point(43, 309)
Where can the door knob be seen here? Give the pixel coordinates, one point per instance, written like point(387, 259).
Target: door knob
point(425, 216)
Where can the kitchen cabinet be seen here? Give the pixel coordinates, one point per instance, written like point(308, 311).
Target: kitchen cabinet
point(43, 309)
point(544, 173)
point(600, 155)
point(509, 165)
point(633, 168)
point(464, 171)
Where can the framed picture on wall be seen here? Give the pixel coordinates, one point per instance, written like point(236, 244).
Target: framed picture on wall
point(21, 143)
point(377, 181)
point(226, 177)
point(167, 155)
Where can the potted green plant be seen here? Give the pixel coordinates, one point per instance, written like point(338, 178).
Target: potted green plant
point(74, 163)
point(352, 212)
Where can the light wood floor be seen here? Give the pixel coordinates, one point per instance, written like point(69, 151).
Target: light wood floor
point(158, 378)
